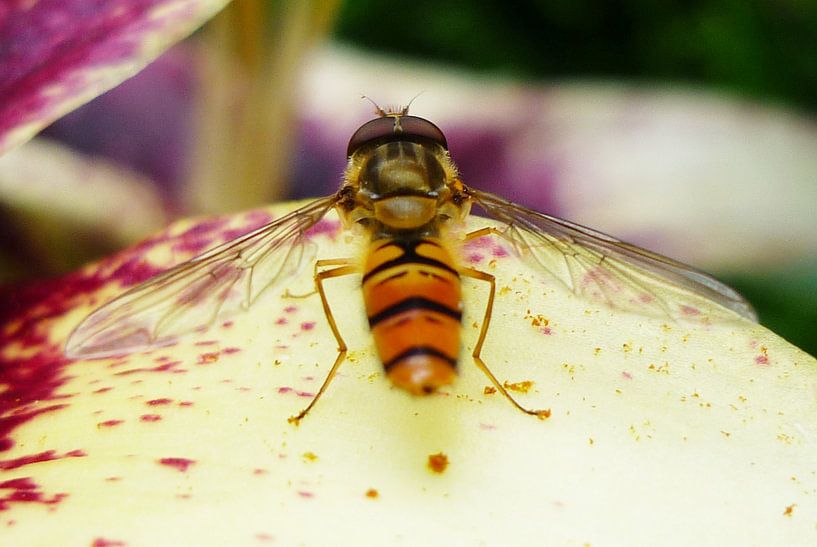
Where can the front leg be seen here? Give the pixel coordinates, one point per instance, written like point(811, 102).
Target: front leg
point(345, 267)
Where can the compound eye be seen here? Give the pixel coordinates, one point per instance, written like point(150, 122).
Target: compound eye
point(415, 128)
point(395, 128)
point(374, 130)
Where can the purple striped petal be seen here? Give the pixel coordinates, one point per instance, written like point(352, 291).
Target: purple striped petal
point(57, 54)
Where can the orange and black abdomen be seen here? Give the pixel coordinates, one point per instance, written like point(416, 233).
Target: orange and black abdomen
point(413, 300)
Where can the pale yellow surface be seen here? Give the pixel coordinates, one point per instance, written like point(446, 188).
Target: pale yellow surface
point(661, 433)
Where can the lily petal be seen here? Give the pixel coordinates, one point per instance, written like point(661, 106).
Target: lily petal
point(57, 55)
point(66, 208)
point(659, 433)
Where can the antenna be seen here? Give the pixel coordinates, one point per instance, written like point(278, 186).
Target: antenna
point(391, 111)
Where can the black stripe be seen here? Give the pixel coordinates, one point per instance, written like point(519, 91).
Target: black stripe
point(413, 303)
point(391, 277)
point(438, 277)
point(409, 256)
point(420, 350)
point(415, 242)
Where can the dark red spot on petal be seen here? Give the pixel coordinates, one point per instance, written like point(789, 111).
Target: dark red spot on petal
point(25, 490)
point(103, 542)
point(164, 367)
point(324, 227)
point(180, 464)
point(690, 310)
point(46, 456)
point(499, 252)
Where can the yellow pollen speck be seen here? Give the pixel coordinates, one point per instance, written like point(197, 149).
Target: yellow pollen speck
point(521, 387)
point(627, 347)
point(437, 462)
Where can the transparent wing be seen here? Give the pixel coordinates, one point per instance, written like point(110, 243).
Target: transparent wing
point(194, 294)
point(602, 268)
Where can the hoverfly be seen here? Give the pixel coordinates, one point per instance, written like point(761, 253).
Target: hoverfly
point(401, 189)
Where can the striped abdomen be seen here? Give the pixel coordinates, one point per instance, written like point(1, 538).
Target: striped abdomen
point(412, 295)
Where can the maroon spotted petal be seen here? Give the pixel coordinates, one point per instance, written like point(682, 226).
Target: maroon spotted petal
point(58, 54)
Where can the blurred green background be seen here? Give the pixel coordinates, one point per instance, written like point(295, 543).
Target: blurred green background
point(765, 51)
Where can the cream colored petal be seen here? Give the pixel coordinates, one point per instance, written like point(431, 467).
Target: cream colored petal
point(69, 207)
point(661, 433)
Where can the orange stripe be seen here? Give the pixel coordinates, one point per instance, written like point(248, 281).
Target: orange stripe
point(411, 287)
point(387, 289)
point(417, 328)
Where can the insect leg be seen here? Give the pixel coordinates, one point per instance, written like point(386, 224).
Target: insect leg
point(482, 276)
point(490, 230)
point(517, 245)
point(319, 264)
point(345, 268)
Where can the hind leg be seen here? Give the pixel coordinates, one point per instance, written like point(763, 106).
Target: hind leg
point(477, 354)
